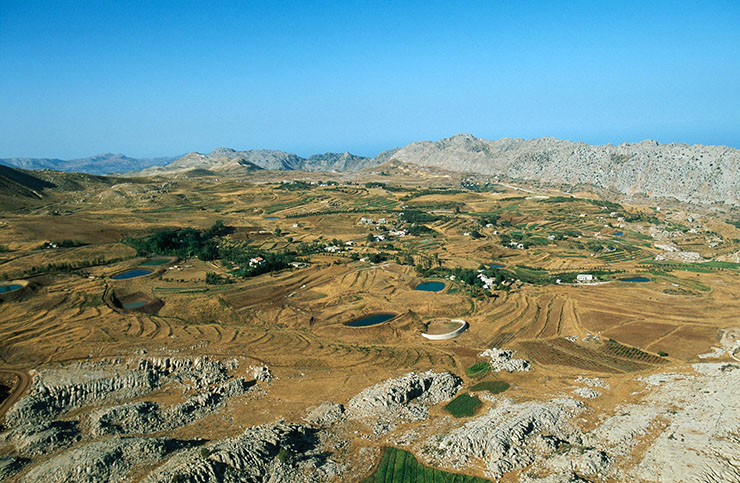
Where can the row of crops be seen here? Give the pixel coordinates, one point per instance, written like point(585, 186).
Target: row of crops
point(398, 466)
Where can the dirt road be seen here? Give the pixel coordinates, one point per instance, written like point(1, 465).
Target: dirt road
point(24, 382)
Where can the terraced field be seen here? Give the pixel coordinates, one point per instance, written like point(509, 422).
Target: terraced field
point(293, 318)
point(398, 466)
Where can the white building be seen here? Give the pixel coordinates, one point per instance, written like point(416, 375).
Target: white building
point(585, 278)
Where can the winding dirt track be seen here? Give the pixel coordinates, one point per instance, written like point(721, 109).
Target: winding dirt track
point(24, 381)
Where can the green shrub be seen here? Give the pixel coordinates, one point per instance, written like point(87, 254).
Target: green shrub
point(662, 354)
point(213, 278)
point(478, 369)
point(284, 455)
point(463, 406)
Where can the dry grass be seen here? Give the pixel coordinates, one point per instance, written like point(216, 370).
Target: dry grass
point(293, 320)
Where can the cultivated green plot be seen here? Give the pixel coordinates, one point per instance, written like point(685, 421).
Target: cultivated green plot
point(463, 406)
point(398, 466)
point(494, 387)
point(478, 369)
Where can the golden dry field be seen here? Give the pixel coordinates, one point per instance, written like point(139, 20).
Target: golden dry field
point(71, 243)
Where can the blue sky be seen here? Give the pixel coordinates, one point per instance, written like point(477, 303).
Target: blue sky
point(164, 78)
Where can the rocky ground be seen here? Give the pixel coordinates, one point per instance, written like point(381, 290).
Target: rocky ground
point(97, 421)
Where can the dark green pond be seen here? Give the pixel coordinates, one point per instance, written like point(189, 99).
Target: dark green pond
point(430, 286)
point(155, 262)
point(635, 279)
point(134, 305)
point(372, 319)
point(137, 272)
point(10, 288)
point(495, 265)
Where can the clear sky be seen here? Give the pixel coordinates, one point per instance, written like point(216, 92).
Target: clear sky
point(150, 78)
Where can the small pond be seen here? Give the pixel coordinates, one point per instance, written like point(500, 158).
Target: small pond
point(372, 319)
point(156, 262)
point(495, 265)
point(272, 218)
point(10, 288)
point(430, 286)
point(134, 304)
point(619, 233)
point(137, 272)
point(635, 279)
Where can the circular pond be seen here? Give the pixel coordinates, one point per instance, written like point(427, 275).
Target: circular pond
point(10, 288)
point(430, 286)
point(635, 279)
point(134, 304)
point(372, 319)
point(137, 272)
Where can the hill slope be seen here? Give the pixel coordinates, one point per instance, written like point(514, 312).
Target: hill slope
point(14, 182)
point(231, 160)
point(688, 173)
point(99, 164)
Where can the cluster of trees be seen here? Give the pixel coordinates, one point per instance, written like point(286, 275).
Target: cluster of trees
point(69, 266)
point(419, 216)
point(419, 230)
point(490, 219)
point(295, 186)
point(596, 246)
point(241, 255)
point(378, 257)
point(213, 278)
point(482, 188)
point(183, 242)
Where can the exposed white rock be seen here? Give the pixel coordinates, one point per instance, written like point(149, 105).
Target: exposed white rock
point(503, 360)
point(325, 414)
point(593, 382)
point(261, 373)
point(509, 436)
point(55, 391)
point(253, 456)
point(10, 465)
point(108, 460)
point(586, 392)
point(403, 398)
point(689, 173)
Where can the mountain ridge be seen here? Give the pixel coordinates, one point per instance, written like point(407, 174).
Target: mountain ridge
point(690, 173)
point(230, 160)
point(103, 163)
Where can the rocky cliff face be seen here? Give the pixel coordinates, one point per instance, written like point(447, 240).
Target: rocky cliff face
point(697, 173)
point(230, 160)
